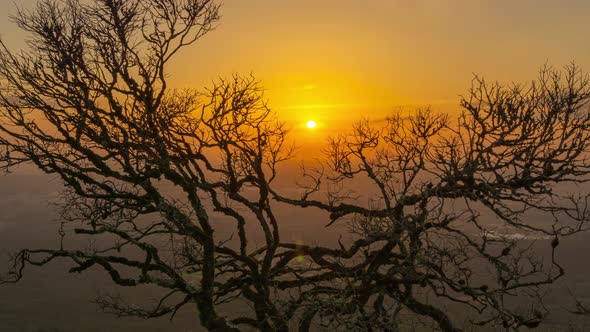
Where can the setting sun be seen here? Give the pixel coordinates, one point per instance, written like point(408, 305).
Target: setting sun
point(311, 124)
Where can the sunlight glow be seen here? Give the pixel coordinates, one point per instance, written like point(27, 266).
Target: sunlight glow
point(311, 124)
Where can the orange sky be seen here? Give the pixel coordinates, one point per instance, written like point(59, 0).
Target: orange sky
point(337, 60)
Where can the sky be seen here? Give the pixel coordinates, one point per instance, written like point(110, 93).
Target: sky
point(334, 61)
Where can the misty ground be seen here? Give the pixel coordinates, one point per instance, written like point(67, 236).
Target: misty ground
point(50, 298)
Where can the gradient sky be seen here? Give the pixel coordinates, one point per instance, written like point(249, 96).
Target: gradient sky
point(337, 60)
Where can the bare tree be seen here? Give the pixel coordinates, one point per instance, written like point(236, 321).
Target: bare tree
point(450, 218)
point(148, 170)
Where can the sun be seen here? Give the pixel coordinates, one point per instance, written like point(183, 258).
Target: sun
point(311, 124)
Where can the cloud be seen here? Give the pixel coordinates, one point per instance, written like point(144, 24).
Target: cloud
point(306, 87)
point(317, 106)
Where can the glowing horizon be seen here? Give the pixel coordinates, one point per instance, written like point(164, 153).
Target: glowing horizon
point(336, 61)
